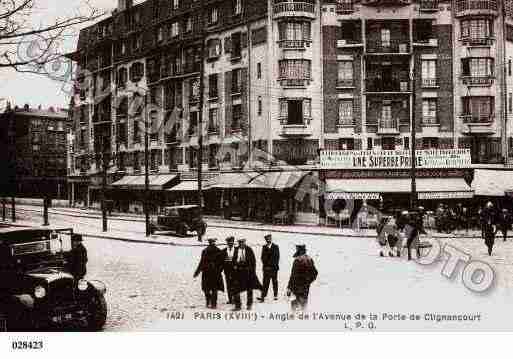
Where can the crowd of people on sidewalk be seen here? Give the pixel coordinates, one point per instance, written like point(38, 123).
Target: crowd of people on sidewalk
point(404, 230)
point(238, 263)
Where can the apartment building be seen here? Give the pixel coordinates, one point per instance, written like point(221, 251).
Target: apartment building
point(288, 78)
point(444, 63)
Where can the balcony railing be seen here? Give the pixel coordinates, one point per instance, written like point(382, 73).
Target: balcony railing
point(294, 82)
point(345, 7)
point(392, 47)
point(388, 126)
point(477, 80)
point(378, 85)
point(429, 83)
point(294, 44)
point(345, 83)
point(429, 5)
point(430, 120)
point(477, 41)
point(293, 7)
point(469, 5)
point(346, 122)
point(477, 119)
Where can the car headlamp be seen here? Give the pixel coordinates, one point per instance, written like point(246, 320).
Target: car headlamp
point(82, 285)
point(39, 292)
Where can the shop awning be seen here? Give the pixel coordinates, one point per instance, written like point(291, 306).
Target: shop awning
point(156, 182)
point(372, 188)
point(492, 182)
point(232, 180)
point(185, 186)
point(277, 180)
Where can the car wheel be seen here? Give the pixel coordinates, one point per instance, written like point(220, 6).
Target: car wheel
point(97, 315)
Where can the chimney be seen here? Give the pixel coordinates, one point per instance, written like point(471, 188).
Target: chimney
point(124, 4)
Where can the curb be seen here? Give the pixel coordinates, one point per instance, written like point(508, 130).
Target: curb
point(263, 229)
point(122, 239)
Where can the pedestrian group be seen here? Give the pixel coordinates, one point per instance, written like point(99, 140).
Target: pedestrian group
point(239, 266)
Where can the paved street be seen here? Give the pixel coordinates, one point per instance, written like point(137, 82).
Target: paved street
point(147, 281)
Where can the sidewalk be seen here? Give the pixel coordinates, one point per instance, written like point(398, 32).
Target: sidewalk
point(217, 222)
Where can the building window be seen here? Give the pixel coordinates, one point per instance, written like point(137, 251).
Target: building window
point(346, 144)
point(212, 86)
point(259, 111)
point(510, 103)
point(345, 74)
point(122, 77)
point(429, 112)
point(370, 143)
point(193, 123)
point(477, 67)
point(295, 111)
point(136, 72)
point(478, 109)
point(194, 91)
point(385, 38)
point(237, 8)
point(430, 143)
point(236, 81)
point(236, 45)
point(236, 116)
point(259, 70)
point(429, 73)
point(212, 120)
point(294, 72)
point(213, 18)
point(406, 143)
point(509, 67)
point(214, 48)
point(176, 4)
point(345, 112)
point(388, 143)
point(175, 29)
point(476, 29)
point(294, 34)
point(188, 24)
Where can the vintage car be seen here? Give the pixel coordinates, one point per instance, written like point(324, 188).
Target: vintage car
point(37, 290)
point(179, 219)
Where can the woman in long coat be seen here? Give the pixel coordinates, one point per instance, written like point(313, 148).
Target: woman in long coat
point(210, 267)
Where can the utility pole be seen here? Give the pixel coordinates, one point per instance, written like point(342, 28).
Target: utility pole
point(250, 144)
point(146, 169)
point(413, 174)
point(200, 119)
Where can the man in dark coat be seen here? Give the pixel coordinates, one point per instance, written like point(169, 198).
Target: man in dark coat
point(270, 264)
point(488, 222)
point(77, 257)
point(244, 266)
point(227, 256)
point(302, 275)
point(210, 267)
point(504, 221)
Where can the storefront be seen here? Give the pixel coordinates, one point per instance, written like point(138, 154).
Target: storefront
point(494, 185)
point(382, 180)
point(261, 196)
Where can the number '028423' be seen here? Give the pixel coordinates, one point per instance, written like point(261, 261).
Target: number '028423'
point(27, 345)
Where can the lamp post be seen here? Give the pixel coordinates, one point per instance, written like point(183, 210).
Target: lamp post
point(413, 173)
point(146, 169)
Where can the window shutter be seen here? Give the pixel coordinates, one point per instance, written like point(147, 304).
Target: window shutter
point(227, 45)
point(244, 40)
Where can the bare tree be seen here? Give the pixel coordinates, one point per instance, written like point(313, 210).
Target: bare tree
point(28, 44)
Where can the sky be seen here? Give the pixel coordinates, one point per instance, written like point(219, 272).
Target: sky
point(40, 89)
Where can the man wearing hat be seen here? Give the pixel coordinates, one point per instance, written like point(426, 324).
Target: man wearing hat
point(244, 266)
point(270, 263)
point(227, 256)
point(210, 267)
point(77, 257)
point(302, 275)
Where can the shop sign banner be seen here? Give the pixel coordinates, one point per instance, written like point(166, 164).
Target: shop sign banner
point(353, 195)
point(445, 195)
point(391, 159)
